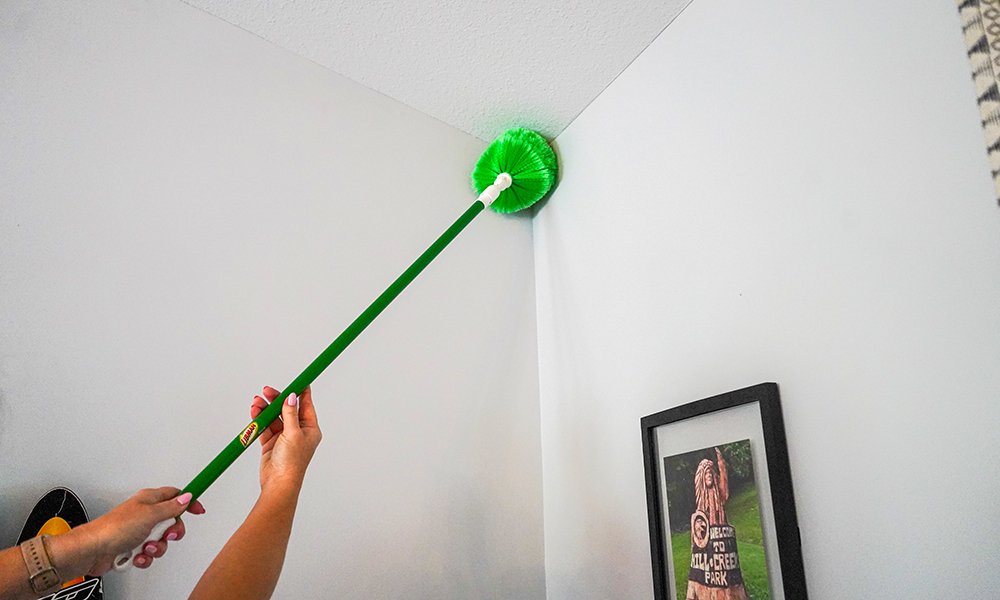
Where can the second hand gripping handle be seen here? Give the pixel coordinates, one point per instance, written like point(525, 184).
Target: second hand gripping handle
point(124, 560)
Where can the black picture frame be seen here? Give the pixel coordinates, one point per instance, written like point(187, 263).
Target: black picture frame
point(779, 476)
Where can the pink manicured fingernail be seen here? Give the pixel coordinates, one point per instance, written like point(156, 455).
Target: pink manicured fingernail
point(171, 537)
point(150, 548)
point(185, 498)
point(141, 560)
point(292, 399)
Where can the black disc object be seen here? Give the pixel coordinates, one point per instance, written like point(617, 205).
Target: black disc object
point(62, 504)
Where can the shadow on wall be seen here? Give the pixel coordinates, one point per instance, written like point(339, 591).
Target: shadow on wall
point(578, 412)
point(4, 413)
point(5, 499)
point(537, 206)
point(448, 549)
point(475, 540)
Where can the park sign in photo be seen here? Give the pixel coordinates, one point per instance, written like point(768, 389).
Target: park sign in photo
point(715, 529)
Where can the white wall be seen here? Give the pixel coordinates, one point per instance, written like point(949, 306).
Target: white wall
point(188, 213)
point(787, 191)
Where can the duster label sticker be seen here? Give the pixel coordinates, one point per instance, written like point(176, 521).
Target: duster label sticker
point(249, 434)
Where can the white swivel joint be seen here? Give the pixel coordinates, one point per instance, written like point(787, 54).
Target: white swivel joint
point(490, 194)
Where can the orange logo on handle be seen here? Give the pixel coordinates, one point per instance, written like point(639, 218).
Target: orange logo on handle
point(249, 434)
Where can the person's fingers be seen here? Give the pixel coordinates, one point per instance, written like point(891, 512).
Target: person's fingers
point(257, 406)
point(142, 561)
point(154, 549)
point(155, 495)
point(172, 507)
point(266, 438)
point(274, 427)
point(196, 508)
point(307, 410)
point(272, 430)
point(290, 413)
point(269, 395)
point(174, 532)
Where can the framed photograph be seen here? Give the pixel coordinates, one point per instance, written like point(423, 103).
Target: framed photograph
point(722, 522)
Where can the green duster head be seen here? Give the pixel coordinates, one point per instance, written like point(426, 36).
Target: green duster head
point(530, 162)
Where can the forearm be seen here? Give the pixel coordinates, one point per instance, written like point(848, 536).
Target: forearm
point(70, 553)
point(723, 481)
point(14, 576)
point(249, 564)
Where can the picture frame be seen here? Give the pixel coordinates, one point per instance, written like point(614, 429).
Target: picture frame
point(723, 460)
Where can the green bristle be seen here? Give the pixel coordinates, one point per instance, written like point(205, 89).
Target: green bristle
point(530, 162)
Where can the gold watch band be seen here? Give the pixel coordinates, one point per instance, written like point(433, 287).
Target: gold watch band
point(42, 575)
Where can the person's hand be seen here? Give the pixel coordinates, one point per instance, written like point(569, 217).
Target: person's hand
point(91, 548)
point(288, 444)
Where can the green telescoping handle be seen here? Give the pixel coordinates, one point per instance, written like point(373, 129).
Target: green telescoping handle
point(236, 447)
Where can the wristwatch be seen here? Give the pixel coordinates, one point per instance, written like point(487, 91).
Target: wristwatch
point(43, 576)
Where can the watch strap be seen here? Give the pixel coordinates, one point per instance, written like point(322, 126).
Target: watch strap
point(41, 574)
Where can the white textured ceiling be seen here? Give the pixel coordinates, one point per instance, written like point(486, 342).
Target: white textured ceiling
point(479, 65)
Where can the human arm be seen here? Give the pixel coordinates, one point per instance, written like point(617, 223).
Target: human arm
point(248, 566)
point(723, 478)
point(89, 549)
